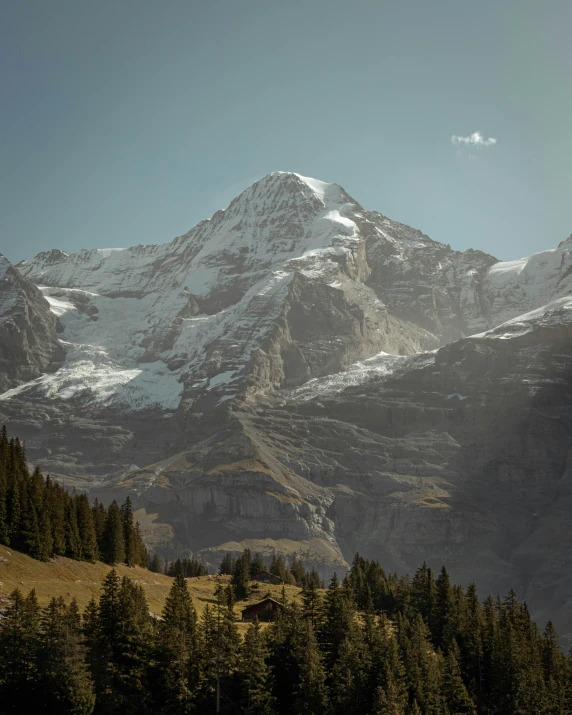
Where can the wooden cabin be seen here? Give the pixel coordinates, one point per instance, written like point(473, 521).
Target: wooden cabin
point(267, 577)
point(264, 610)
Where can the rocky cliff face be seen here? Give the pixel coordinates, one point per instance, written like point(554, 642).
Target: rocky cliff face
point(301, 374)
point(28, 330)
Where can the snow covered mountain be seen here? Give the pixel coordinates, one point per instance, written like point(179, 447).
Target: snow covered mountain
point(210, 312)
point(301, 374)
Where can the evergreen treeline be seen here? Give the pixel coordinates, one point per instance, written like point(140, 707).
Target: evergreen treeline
point(374, 644)
point(188, 568)
point(247, 566)
point(41, 519)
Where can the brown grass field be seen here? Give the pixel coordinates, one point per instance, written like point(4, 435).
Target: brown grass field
point(82, 581)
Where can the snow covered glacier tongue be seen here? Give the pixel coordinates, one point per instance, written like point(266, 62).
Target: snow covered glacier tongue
point(295, 374)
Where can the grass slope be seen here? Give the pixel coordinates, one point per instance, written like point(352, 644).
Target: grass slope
point(82, 581)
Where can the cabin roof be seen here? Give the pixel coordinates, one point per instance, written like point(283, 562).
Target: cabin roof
point(264, 600)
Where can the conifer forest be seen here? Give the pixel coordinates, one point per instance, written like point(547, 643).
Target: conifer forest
point(372, 643)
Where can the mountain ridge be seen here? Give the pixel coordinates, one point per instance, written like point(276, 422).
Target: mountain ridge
point(300, 370)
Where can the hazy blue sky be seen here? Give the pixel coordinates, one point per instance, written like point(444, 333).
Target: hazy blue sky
point(128, 121)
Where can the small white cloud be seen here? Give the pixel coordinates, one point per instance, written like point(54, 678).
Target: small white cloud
point(475, 139)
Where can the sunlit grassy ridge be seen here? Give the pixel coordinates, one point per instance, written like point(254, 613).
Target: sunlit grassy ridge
point(82, 581)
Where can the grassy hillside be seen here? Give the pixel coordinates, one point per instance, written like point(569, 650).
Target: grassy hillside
point(81, 580)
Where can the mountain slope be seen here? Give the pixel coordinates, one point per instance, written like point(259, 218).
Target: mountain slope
point(300, 373)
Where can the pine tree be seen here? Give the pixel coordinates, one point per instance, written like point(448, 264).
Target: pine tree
point(99, 520)
point(454, 691)
point(241, 578)
point(156, 565)
point(278, 568)
point(56, 500)
point(96, 649)
point(391, 678)
point(423, 665)
point(36, 490)
point(63, 676)
point(29, 532)
point(46, 541)
point(73, 540)
point(14, 512)
point(349, 677)
point(19, 632)
point(297, 571)
point(255, 674)
point(226, 565)
point(554, 670)
point(256, 565)
point(128, 532)
point(441, 623)
point(113, 540)
point(387, 701)
point(219, 646)
point(4, 527)
point(86, 529)
point(177, 651)
point(423, 594)
point(472, 637)
point(310, 691)
point(141, 554)
point(312, 602)
point(119, 636)
point(336, 621)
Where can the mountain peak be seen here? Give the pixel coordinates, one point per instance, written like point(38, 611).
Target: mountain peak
point(320, 188)
point(284, 189)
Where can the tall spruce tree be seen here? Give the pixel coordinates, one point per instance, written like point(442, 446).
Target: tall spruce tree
point(56, 500)
point(349, 678)
point(99, 520)
point(156, 565)
point(4, 528)
point(255, 675)
point(46, 541)
point(441, 630)
point(128, 532)
point(241, 577)
point(455, 693)
point(219, 645)
point(119, 635)
point(423, 665)
point(226, 565)
point(391, 678)
point(86, 528)
point(336, 621)
point(113, 546)
point(177, 652)
point(141, 553)
point(310, 690)
point(312, 601)
point(423, 594)
point(19, 640)
point(256, 565)
point(73, 539)
point(63, 675)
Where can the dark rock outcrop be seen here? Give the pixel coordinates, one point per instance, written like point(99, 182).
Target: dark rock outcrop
point(29, 344)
